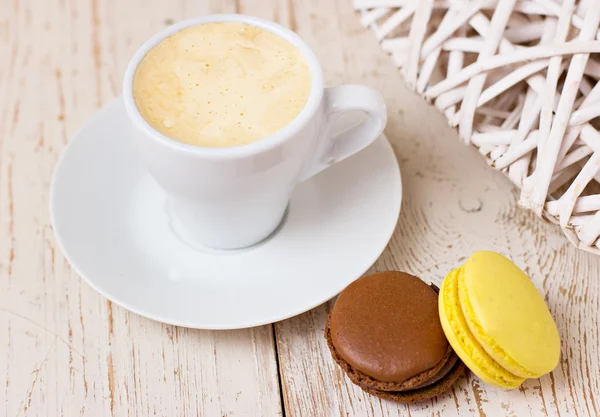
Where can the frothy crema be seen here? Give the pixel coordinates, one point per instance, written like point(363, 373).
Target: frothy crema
point(221, 85)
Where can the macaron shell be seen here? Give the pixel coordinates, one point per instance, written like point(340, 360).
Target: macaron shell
point(407, 397)
point(421, 394)
point(464, 343)
point(386, 325)
point(488, 344)
point(508, 316)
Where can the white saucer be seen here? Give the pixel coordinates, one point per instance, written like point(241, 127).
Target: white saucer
point(110, 221)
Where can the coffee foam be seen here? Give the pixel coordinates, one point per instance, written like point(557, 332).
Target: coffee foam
point(221, 85)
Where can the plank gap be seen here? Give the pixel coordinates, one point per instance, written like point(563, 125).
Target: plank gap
point(279, 372)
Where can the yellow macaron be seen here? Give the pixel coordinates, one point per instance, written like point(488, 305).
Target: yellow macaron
point(497, 321)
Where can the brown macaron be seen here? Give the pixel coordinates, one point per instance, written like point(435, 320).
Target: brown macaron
point(384, 331)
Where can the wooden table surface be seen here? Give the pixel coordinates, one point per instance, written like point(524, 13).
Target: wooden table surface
point(67, 351)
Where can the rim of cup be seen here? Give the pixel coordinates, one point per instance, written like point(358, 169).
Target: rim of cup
point(305, 115)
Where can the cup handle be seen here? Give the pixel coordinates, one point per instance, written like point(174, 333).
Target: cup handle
point(336, 101)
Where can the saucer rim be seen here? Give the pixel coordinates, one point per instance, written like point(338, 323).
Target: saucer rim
point(106, 108)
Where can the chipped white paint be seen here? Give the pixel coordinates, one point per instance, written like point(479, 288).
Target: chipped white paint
point(66, 351)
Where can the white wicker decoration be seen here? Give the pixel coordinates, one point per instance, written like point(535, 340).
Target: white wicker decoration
point(519, 79)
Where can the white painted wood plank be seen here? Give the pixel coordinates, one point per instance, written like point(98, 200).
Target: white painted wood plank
point(65, 350)
point(453, 205)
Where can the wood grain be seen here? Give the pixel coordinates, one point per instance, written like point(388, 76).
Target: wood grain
point(453, 205)
point(67, 351)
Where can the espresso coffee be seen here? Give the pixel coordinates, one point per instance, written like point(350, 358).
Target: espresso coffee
point(221, 85)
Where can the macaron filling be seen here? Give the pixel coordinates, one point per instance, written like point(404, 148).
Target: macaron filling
point(424, 379)
point(488, 343)
point(445, 370)
point(405, 392)
point(465, 344)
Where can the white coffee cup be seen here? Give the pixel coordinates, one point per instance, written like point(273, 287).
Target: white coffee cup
point(230, 198)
